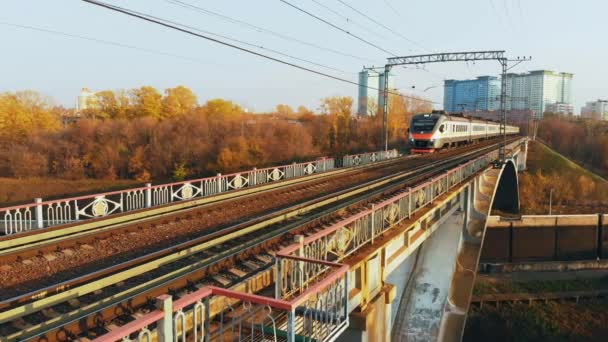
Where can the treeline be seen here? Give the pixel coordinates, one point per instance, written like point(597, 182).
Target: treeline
point(553, 179)
point(585, 141)
point(568, 194)
point(141, 134)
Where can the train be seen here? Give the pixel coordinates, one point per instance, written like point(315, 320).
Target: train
point(430, 132)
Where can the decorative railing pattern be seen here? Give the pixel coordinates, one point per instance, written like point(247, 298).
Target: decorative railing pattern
point(347, 236)
point(368, 158)
point(311, 287)
point(215, 314)
point(44, 214)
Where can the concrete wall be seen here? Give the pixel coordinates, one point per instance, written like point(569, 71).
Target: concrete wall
point(546, 238)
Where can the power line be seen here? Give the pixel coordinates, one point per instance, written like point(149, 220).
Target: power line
point(349, 20)
point(382, 25)
point(521, 12)
point(495, 10)
point(336, 27)
point(388, 4)
point(506, 7)
point(263, 30)
point(166, 23)
point(261, 47)
point(107, 42)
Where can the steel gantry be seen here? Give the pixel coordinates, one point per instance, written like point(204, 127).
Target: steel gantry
point(497, 55)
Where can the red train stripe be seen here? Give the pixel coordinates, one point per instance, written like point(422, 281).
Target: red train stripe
point(422, 136)
point(419, 150)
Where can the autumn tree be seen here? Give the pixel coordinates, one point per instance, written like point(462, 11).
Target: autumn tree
point(285, 110)
point(146, 101)
point(24, 112)
point(106, 106)
point(339, 109)
point(178, 101)
point(221, 109)
point(305, 114)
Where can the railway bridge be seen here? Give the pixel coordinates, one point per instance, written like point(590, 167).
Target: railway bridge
point(367, 247)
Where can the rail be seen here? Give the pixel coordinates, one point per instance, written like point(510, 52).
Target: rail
point(344, 238)
point(44, 214)
point(310, 300)
point(318, 313)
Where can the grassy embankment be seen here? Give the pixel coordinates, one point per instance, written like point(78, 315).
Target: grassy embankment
point(576, 190)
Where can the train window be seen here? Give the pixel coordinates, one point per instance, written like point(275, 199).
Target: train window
point(421, 124)
point(442, 128)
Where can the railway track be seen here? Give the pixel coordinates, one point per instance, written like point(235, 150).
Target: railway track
point(223, 256)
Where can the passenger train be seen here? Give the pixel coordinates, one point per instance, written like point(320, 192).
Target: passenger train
point(438, 130)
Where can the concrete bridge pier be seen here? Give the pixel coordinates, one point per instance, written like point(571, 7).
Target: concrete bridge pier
point(374, 322)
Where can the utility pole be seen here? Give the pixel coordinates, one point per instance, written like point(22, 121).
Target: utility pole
point(387, 70)
point(497, 55)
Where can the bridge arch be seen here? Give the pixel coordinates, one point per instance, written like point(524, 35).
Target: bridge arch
point(506, 195)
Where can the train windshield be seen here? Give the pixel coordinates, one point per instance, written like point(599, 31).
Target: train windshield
point(423, 124)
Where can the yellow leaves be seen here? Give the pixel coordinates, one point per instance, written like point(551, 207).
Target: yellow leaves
point(222, 109)
point(285, 110)
point(147, 101)
point(178, 101)
point(337, 105)
point(23, 112)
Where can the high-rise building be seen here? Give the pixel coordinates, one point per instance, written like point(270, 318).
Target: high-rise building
point(370, 99)
point(538, 89)
point(560, 108)
point(597, 110)
point(480, 94)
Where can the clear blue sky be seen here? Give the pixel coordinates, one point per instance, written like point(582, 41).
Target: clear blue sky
point(560, 35)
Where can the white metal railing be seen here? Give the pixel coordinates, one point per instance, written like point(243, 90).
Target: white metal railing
point(43, 214)
point(347, 236)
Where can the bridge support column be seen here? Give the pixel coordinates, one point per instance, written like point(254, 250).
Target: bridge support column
point(373, 323)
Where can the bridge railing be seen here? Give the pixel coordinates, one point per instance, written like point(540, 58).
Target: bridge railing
point(318, 313)
point(368, 158)
point(43, 214)
point(346, 237)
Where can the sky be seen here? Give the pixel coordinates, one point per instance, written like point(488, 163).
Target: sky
point(560, 35)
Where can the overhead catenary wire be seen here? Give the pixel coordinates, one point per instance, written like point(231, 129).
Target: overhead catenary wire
point(388, 4)
point(108, 42)
point(336, 27)
point(261, 47)
point(506, 7)
point(349, 20)
point(257, 28)
point(166, 24)
point(384, 26)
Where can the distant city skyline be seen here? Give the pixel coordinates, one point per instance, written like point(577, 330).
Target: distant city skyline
point(117, 52)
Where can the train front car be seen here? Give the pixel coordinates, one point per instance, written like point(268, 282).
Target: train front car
point(423, 132)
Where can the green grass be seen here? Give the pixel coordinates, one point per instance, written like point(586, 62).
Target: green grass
point(543, 158)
